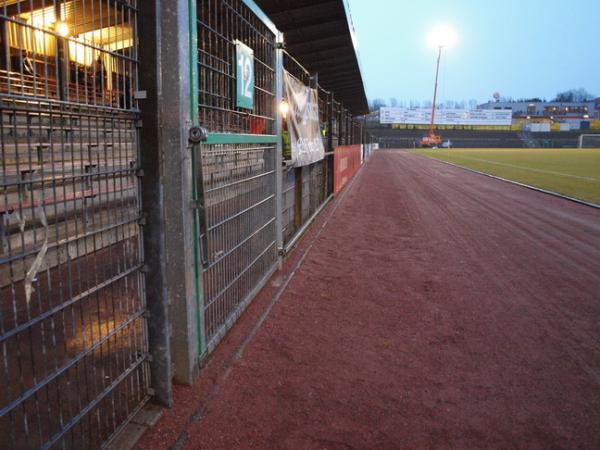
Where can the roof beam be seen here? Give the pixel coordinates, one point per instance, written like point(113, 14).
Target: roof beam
point(298, 17)
point(26, 6)
point(318, 30)
point(306, 51)
point(322, 60)
point(275, 8)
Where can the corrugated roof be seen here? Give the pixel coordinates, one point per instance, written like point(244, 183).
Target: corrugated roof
point(320, 35)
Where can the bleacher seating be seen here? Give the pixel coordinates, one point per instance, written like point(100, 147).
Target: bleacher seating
point(75, 163)
point(78, 90)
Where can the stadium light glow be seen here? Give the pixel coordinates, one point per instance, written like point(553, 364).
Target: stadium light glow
point(284, 108)
point(61, 28)
point(441, 36)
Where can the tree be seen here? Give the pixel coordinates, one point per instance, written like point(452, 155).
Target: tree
point(574, 95)
point(449, 104)
point(530, 100)
point(376, 104)
point(393, 102)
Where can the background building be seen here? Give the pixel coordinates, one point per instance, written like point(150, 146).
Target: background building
point(551, 110)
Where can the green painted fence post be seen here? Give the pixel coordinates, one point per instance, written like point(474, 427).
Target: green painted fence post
point(194, 114)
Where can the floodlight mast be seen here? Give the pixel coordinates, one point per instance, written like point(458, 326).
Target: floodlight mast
point(437, 71)
point(432, 139)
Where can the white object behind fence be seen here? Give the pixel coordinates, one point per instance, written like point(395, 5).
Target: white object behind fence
point(589, 141)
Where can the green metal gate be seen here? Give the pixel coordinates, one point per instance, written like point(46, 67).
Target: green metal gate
point(236, 168)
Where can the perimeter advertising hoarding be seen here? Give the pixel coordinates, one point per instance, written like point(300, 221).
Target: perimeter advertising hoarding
point(422, 116)
point(346, 162)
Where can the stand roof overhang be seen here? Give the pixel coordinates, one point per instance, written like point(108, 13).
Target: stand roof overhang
point(320, 35)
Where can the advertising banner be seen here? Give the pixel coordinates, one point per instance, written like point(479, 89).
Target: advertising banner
point(303, 122)
point(346, 162)
point(422, 116)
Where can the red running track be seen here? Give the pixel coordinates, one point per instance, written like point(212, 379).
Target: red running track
point(437, 308)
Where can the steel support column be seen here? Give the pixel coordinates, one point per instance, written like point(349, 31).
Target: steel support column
point(279, 150)
point(4, 56)
point(167, 194)
point(153, 205)
point(330, 110)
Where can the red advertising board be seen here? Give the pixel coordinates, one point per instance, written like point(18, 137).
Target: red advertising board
point(346, 162)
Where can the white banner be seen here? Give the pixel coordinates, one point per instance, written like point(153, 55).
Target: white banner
point(422, 116)
point(303, 122)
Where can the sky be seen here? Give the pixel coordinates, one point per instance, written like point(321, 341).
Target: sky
point(519, 48)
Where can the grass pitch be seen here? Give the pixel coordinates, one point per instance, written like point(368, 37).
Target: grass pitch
point(572, 172)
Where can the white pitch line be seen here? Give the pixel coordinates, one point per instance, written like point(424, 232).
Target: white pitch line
point(594, 180)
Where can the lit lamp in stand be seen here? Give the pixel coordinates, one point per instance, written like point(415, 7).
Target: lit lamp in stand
point(284, 108)
point(61, 28)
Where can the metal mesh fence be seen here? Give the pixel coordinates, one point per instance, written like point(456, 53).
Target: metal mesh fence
point(294, 68)
point(238, 179)
point(220, 24)
point(288, 213)
point(72, 326)
point(239, 193)
point(317, 186)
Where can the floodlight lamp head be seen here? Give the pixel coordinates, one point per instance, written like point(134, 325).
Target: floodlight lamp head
point(441, 36)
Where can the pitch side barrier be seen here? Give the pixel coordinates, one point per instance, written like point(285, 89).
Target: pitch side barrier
point(367, 150)
point(346, 164)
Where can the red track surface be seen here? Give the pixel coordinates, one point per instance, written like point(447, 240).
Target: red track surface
point(438, 308)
